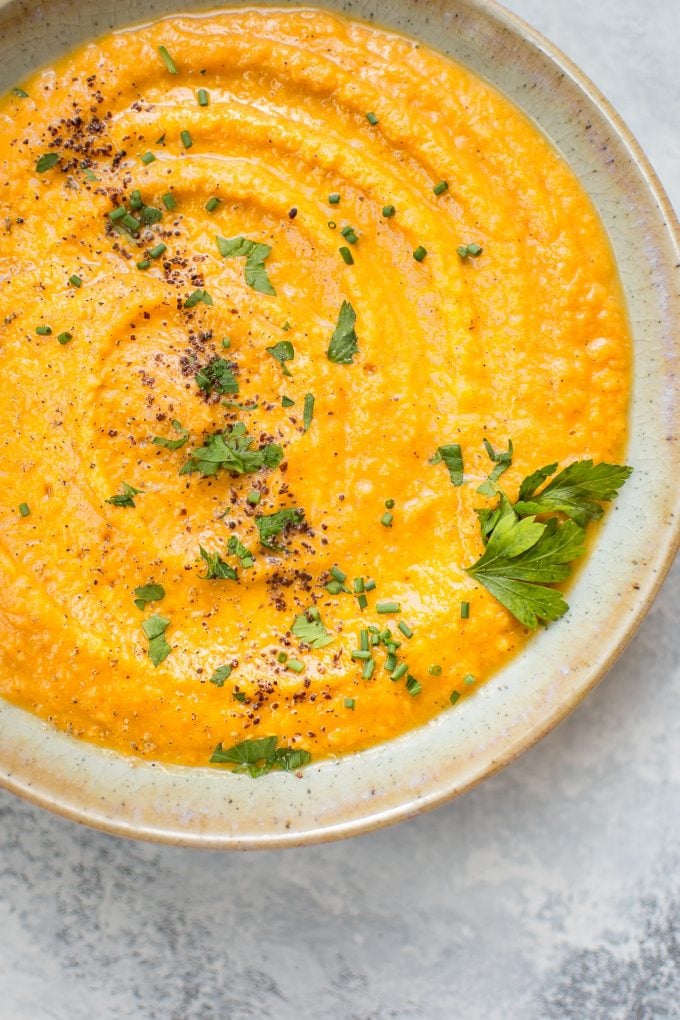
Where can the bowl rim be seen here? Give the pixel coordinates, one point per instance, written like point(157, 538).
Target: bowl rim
point(409, 806)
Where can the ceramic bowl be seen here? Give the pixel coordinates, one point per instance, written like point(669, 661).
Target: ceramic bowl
point(214, 809)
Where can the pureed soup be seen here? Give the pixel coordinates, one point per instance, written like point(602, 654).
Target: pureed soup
point(295, 309)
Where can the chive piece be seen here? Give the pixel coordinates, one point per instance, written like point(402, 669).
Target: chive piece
point(167, 60)
point(131, 223)
point(350, 235)
point(147, 158)
point(367, 671)
point(386, 519)
point(64, 338)
point(117, 214)
point(441, 187)
point(390, 663)
point(144, 264)
point(388, 211)
point(469, 250)
point(399, 672)
point(359, 654)
point(454, 697)
point(389, 504)
point(44, 330)
point(203, 97)
point(332, 224)
point(334, 199)
point(350, 703)
point(420, 253)
point(412, 686)
point(186, 139)
point(363, 640)
point(24, 510)
point(287, 402)
point(19, 93)
point(372, 119)
point(253, 497)
point(338, 574)
point(156, 252)
point(405, 629)
point(168, 201)
point(282, 656)
point(469, 679)
point(387, 607)
point(212, 204)
point(374, 640)
point(369, 584)
point(308, 412)
point(226, 343)
point(358, 585)
point(464, 610)
point(347, 256)
point(75, 281)
point(295, 665)
point(334, 587)
point(435, 670)
point(363, 601)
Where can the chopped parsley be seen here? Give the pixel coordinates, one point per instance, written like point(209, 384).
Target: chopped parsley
point(502, 460)
point(148, 593)
point(452, 456)
point(155, 628)
point(258, 757)
point(198, 297)
point(221, 674)
point(232, 451)
point(269, 525)
point(308, 412)
point(126, 497)
point(217, 377)
point(343, 345)
point(47, 161)
point(287, 402)
point(255, 255)
point(236, 548)
point(173, 444)
point(19, 93)
point(309, 628)
point(215, 567)
point(282, 352)
point(75, 280)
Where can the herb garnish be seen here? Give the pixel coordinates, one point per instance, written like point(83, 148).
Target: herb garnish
point(236, 548)
point(576, 491)
point(173, 444)
point(452, 456)
point(167, 60)
point(347, 256)
point(440, 187)
point(47, 161)
point(24, 510)
point(469, 251)
point(148, 593)
point(282, 352)
point(126, 498)
point(343, 345)
point(255, 254)
point(155, 628)
point(197, 297)
point(269, 525)
point(232, 451)
point(502, 460)
point(217, 376)
point(420, 253)
point(221, 674)
point(258, 757)
point(216, 569)
point(309, 628)
point(308, 412)
point(20, 93)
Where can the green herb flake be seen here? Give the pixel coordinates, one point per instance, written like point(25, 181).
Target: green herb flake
point(160, 249)
point(173, 444)
point(347, 256)
point(452, 456)
point(232, 450)
point(350, 235)
point(126, 497)
point(344, 345)
point(169, 201)
point(502, 460)
point(282, 352)
point(155, 628)
point(255, 254)
point(148, 593)
point(64, 338)
point(387, 607)
point(295, 666)
point(386, 519)
point(412, 686)
point(259, 757)
point(24, 510)
point(147, 158)
point(186, 139)
point(287, 402)
point(440, 187)
point(236, 548)
point(308, 412)
point(75, 280)
point(216, 568)
point(420, 253)
point(144, 264)
point(19, 93)
point(350, 703)
point(465, 610)
point(455, 695)
point(334, 199)
point(469, 251)
point(269, 525)
point(167, 60)
point(47, 161)
point(435, 670)
point(198, 297)
point(217, 377)
point(44, 330)
point(203, 97)
point(309, 629)
point(469, 679)
point(212, 204)
point(388, 211)
point(221, 674)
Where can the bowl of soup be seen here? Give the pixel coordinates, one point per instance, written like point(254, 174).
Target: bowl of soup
point(338, 409)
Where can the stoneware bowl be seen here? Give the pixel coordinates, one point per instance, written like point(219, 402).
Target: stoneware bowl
point(214, 809)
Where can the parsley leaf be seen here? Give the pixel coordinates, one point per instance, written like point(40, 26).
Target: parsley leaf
point(148, 593)
point(452, 455)
point(255, 254)
point(269, 525)
point(309, 628)
point(47, 161)
point(126, 498)
point(216, 568)
point(197, 297)
point(258, 757)
point(173, 444)
point(232, 451)
point(155, 628)
point(576, 491)
point(283, 351)
point(221, 674)
point(236, 548)
point(217, 376)
point(308, 411)
point(343, 345)
point(502, 460)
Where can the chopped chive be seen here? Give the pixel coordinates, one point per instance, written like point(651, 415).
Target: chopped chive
point(369, 584)
point(372, 119)
point(359, 654)
point(454, 697)
point(282, 656)
point(441, 187)
point(390, 663)
point(295, 665)
point(203, 97)
point(389, 504)
point(308, 412)
point(399, 672)
point(156, 252)
point(136, 199)
point(350, 235)
point(338, 574)
point(168, 201)
point(287, 402)
point(75, 280)
point(374, 640)
point(469, 679)
point(358, 585)
point(405, 629)
point(334, 587)
point(254, 497)
point(144, 264)
point(388, 211)
point(367, 671)
point(347, 256)
point(363, 601)
point(435, 670)
point(332, 224)
point(464, 610)
point(350, 703)
point(363, 640)
point(388, 607)
point(147, 158)
point(24, 510)
point(44, 330)
point(412, 686)
point(131, 223)
point(167, 60)
point(186, 139)
point(64, 338)
point(392, 647)
point(386, 519)
point(19, 93)
point(212, 204)
point(117, 214)
point(420, 253)
point(469, 250)
point(334, 199)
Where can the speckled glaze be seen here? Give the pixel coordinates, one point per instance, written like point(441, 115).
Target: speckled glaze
point(212, 809)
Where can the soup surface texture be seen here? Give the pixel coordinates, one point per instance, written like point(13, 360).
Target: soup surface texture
point(264, 261)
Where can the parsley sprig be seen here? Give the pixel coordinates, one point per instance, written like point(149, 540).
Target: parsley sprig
point(258, 757)
point(232, 450)
point(255, 254)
